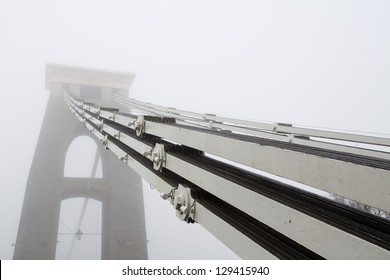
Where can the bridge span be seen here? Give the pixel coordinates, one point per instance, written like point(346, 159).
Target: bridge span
point(266, 190)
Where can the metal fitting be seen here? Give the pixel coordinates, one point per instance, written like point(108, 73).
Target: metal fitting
point(104, 140)
point(182, 202)
point(117, 135)
point(276, 127)
point(100, 125)
point(124, 158)
point(139, 125)
point(158, 157)
point(112, 117)
point(165, 196)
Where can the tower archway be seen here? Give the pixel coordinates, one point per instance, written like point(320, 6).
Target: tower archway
point(51, 182)
point(80, 229)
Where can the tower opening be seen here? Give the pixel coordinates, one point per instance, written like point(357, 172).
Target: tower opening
point(80, 229)
point(83, 159)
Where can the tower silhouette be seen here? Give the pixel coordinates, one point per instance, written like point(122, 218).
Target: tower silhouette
point(119, 190)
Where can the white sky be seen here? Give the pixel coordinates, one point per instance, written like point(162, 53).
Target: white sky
point(317, 63)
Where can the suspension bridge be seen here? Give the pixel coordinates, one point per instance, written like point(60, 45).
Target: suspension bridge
point(266, 190)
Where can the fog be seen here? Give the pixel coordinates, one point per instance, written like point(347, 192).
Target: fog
point(321, 64)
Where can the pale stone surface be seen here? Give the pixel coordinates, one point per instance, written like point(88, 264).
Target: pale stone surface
point(120, 189)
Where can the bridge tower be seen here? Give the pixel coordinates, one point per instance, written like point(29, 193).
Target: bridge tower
point(119, 189)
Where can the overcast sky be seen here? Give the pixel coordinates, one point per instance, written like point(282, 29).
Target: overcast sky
point(316, 63)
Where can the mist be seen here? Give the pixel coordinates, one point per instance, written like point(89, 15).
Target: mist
point(321, 64)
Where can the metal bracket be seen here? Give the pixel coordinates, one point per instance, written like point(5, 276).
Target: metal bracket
point(148, 153)
point(158, 157)
point(100, 125)
point(132, 123)
point(112, 117)
point(124, 158)
point(104, 141)
point(290, 138)
point(183, 204)
point(140, 126)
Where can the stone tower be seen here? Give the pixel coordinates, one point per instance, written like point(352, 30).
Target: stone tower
point(119, 190)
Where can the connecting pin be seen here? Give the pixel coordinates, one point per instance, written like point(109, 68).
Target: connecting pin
point(165, 196)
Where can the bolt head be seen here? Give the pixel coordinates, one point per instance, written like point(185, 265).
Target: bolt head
point(179, 200)
point(156, 159)
point(183, 210)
